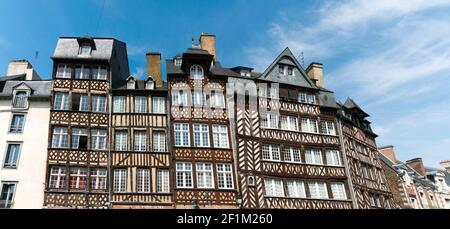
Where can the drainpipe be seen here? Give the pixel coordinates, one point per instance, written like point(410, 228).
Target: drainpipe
point(347, 169)
point(109, 140)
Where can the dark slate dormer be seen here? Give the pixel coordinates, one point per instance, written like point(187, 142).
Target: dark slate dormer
point(194, 56)
point(243, 71)
point(351, 112)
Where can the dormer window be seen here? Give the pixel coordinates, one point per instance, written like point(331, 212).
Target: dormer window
point(149, 83)
point(281, 69)
point(290, 71)
point(20, 99)
point(196, 72)
point(85, 49)
point(245, 73)
point(131, 82)
point(178, 61)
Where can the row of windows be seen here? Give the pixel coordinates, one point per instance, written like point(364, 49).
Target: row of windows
point(80, 102)
point(198, 99)
point(297, 189)
point(60, 138)
point(308, 125)
point(271, 152)
point(201, 135)
point(77, 178)
point(140, 104)
point(204, 174)
point(140, 141)
point(95, 72)
point(272, 92)
point(142, 181)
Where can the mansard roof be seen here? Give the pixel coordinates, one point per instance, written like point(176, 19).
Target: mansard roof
point(301, 80)
point(102, 48)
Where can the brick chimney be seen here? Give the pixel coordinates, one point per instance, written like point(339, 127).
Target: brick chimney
point(417, 164)
point(154, 67)
point(388, 151)
point(446, 165)
point(315, 72)
point(208, 43)
point(19, 67)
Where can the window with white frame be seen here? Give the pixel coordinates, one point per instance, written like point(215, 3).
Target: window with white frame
point(318, 190)
point(58, 176)
point(121, 140)
point(7, 194)
point(120, 180)
point(85, 50)
point(79, 138)
point(289, 123)
point(178, 61)
point(302, 97)
point(143, 180)
point(204, 175)
point(159, 105)
point(78, 178)
point(292, 154)
point(61, 101)
point(82, 72)
point(220, 136)
point(64, 71)
point(20, 99)
point(80, 102)
point(149, 84)
point(98, 139)
point(198, 98)
point(274, 187)
point(338, 190)
point(201, 135)
point(162, 181)
point(119, 104)
point(224, 176)
point(140, 104)
point(98, 179)
point(296, 189)
point(181, 134)
point(60, 137)
point(17, 122)
point(311, 98)
point(179, 98)
point(290, 71)
point(281, 70)
point(159, 141)
point(333, 157)
point(309, 125)
point(313, 156)
point(184, 174)
point(140, 140)
point(12, 155)
point(131, 84)
point(196, 72)
point(269, 120)
point(99, 73)
point(99, 103)
point(217, 99)
point(327, 127)
point(270, 152)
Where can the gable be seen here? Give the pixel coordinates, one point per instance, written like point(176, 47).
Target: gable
point(22, 87)
point(287, 59)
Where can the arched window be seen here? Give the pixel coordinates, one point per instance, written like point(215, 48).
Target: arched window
point(196, 72)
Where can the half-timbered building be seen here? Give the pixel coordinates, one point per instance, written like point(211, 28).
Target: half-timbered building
point(84, 71)
point(287, 145)
point(203, 160)
point(367, 177)
point(139, 147)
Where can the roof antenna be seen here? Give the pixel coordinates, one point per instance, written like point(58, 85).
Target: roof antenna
point(193, 42)
point(302, 59)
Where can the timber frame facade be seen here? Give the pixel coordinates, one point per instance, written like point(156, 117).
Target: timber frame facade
point(84, 70)
point(140, 158)
point(368, 178)
point(208, 137)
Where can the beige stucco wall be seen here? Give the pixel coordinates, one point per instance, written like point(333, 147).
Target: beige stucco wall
point(31, 167)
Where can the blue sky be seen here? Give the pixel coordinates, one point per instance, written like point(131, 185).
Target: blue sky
point(391, 56)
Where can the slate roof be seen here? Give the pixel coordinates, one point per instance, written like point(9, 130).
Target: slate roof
point(39, 88)
point(4, 79)
point(68, 48)
point(350, 104)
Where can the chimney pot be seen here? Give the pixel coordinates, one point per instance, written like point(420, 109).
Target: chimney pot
point(208, 43)
point(417, 164)
point(388, 151)
point(315, 72)
point(154, 67)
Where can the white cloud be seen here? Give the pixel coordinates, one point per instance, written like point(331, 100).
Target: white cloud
point(139, 73)
point(135, 50)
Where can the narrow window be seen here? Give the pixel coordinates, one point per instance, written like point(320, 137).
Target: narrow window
point(17, 123)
